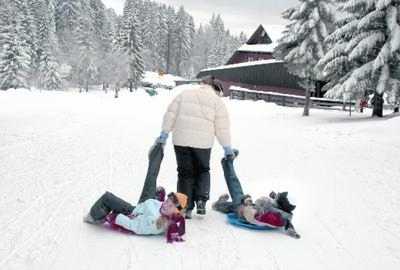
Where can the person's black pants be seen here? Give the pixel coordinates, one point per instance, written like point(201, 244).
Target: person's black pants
point(193, 173)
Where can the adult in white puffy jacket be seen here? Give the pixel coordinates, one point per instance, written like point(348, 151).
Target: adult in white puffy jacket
point(195, 118)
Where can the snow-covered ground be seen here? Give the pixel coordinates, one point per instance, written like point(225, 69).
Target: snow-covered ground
point(60, 150)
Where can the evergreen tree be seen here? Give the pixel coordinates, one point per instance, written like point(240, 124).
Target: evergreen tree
point(217, 55)
point(183, 33)
point(15, 56)
point(33, 8)
point(302, 44)
point(242, 39)
point(160, 38)
point(100, 24)
point(49, 76)
point(130, 43)
point(67, 20)
point(364, 54)
point(44, 37)
point(48, 47)
point(85, 65)
point(207, 52)
point(149, 20)
point(169, 42)
point(200, 50)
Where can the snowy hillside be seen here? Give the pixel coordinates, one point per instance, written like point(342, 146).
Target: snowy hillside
point(60, 150)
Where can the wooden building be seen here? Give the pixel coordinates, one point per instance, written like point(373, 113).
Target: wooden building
point(258, 47)
point(253, 67)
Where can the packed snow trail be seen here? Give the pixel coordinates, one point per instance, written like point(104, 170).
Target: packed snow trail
point(59, 151)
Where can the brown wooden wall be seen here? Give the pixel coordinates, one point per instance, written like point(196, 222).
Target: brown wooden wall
point(282, 90)
point(242, 57)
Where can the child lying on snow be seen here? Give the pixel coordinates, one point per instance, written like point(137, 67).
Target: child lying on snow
point(152, 215)
point(274, 211)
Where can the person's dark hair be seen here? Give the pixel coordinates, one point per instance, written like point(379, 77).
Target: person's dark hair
point(213, 82)
point(175, 200)
point(246, 199)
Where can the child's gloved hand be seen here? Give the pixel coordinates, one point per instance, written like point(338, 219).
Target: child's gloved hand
point(174, 237)
point(111, 218)
point(230, 153)
point(162, 139)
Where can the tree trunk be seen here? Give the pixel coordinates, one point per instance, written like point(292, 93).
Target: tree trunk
point(130, 86)
point(307, 103)
point(396, 109)
point(87, 86)
point(116, 90)
point(377, 102)
point(168, 62)
point(105, 87)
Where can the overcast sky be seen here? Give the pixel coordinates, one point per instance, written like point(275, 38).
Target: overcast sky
point(238, 15)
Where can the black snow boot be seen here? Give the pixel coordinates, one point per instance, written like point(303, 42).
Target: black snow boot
point(290, 230)
point(283, 202)
point(188, 214)
point(201, 207)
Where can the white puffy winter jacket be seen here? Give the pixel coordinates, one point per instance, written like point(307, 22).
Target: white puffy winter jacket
point(196, 117)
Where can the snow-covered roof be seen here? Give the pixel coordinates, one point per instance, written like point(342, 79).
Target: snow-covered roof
point(264, 48)
point(245, 64)
point(157, 80)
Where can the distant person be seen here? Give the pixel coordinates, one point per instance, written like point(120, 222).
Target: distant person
point(195, 118)
point(363, 104)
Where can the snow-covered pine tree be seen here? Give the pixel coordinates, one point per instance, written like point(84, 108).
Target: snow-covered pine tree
point(67, 20)
point(364, 49)
point(48, 47)
point(33, 17)
point(232, 44)
point(111, 32)
point(205, 47)
point(131, 44)
point(302, 44)
point(160, 38)
point(183, 36)
point(149, 21)
point(100, 26)
point(218, 42)
point(50, 78)
point(85, 66)
point(4, 21)
point(15, 54)
point(169, 42)
point(114, 70)
point(242, 38)
point(111, 27)
point(189, 71)
point(199, 53)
